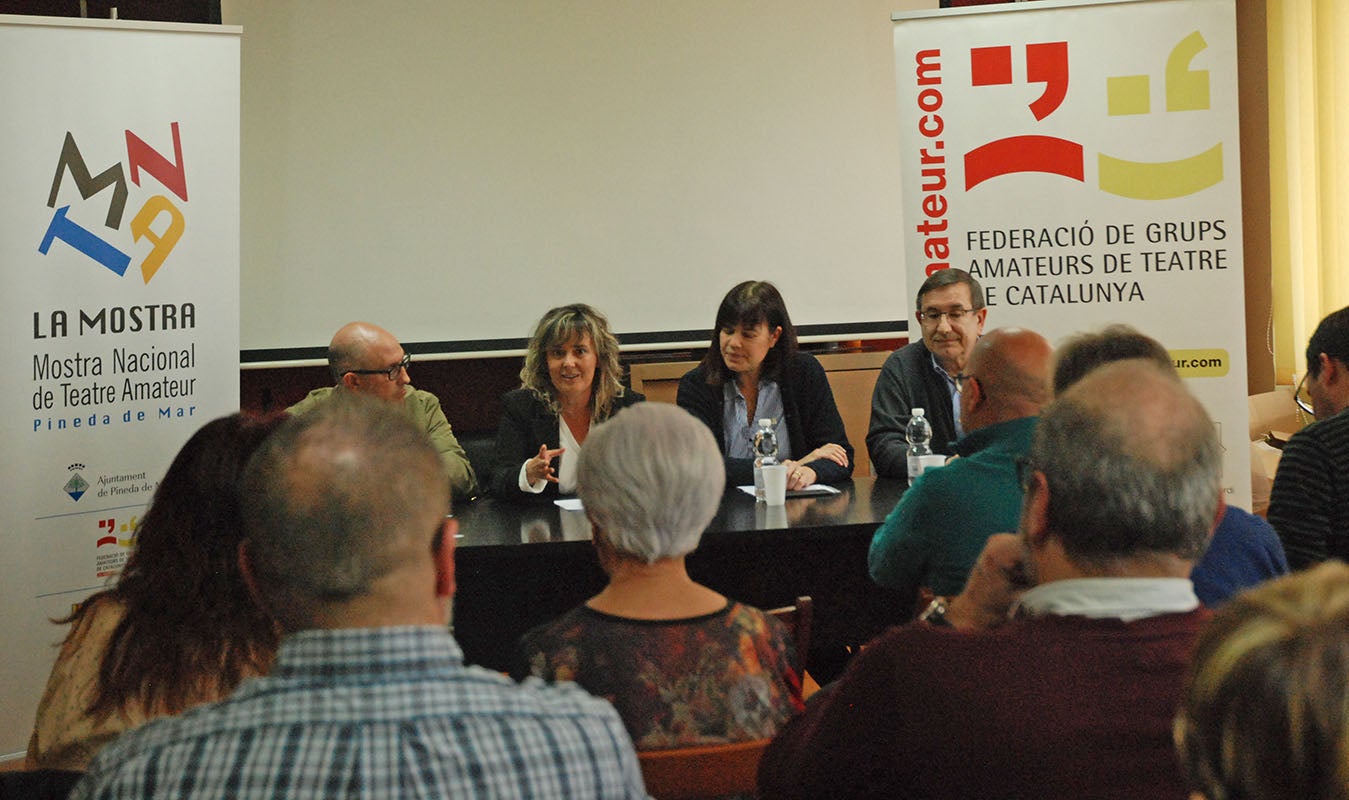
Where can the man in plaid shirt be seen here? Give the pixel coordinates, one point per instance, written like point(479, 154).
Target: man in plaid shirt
point(349, 547)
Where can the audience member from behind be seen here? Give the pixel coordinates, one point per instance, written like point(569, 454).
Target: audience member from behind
point(365, 359)
point(934, 535)
point(1244, 549)
point(1307, 503)
point(570, 381)
point(1073, 695)
point(682, 664)
point(350, 548)
point(1264, 711)
point(178, 628)
point(753, 371)
point(950, 312)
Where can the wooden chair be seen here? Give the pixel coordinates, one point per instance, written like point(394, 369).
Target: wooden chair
point(697, 773)
point(798, 619)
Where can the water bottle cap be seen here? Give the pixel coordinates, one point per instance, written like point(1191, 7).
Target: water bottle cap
point(917, 412)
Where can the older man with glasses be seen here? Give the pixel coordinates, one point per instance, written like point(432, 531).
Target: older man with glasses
point(950, 313)
point(1057, 671)
point(1309, 502)
point(366, 359)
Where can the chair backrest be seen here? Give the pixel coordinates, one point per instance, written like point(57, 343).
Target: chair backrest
point(697, 773)
point(798, 619)
point(38, 784)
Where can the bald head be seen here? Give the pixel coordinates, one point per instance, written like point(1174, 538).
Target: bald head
point(1010, 368)
point(1132, 463)
point(361, 357)
point(336, 502)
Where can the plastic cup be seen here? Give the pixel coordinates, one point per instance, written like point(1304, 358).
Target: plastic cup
point(775, 484)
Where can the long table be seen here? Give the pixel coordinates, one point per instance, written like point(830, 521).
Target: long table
point(520, 565)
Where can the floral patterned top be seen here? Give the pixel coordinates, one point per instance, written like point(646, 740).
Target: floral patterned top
point(723, 677)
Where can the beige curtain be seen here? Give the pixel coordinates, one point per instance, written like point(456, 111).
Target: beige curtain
point(1309, 170)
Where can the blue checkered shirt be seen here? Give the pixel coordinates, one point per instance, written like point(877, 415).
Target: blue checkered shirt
point(377, 713)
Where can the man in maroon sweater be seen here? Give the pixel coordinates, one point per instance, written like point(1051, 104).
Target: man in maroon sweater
point(1057, 671)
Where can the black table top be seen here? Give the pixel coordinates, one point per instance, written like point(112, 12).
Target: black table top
point(523, 564)
point(863, 502)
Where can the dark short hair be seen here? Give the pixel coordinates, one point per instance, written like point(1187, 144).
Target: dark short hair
point(950, 277)
point(748, 304)
point(1332, 338)
point(1086, 351)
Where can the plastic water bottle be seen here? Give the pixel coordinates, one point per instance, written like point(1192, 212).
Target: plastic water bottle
point(919, 434)
point(765, 453)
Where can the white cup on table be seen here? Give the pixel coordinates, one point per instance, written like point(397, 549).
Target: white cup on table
point(775, 484)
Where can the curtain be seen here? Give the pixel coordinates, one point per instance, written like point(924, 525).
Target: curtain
point(1309, 171)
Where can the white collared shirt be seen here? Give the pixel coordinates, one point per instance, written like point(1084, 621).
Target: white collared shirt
point(1127, 599)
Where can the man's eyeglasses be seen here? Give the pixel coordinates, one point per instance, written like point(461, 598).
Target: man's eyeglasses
point(391, 373)
point(1300, 396)
point(1024, 470)
point(962, 380)
point(955, 316)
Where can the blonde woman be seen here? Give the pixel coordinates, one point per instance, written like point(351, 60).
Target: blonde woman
point(570, 381)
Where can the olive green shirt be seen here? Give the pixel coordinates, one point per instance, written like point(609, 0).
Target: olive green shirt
point(424, 409)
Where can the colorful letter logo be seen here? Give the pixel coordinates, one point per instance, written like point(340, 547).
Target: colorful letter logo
point(140, 156)
point(1047, 64)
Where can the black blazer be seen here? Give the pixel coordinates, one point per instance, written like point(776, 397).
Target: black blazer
point(807, 405)
point(526, 423)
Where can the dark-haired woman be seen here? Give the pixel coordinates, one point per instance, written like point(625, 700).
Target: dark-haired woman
point(753, 371)
point(570, 380)
point(179, 628)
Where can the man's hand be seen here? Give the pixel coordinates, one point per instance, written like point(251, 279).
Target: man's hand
point(999, 577)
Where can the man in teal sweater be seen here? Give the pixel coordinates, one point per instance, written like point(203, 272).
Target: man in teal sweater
point(933, 536)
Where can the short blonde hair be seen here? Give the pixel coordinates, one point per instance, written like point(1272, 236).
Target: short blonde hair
point(1265, 706)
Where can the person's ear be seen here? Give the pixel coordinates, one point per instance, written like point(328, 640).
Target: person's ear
point(350, 380)
point(1035, 510)
point(974, 388)
point(444, 558)
point(773, 340)
point(1332, 370)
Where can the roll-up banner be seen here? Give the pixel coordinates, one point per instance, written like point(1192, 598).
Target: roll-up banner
point(119, 238)
point(1082, 161)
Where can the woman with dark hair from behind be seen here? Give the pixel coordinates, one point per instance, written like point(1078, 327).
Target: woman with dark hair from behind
point(1265, 713)
point(753, 371)
point(179, 627)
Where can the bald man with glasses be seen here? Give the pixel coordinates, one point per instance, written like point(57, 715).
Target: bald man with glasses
point(365, 359)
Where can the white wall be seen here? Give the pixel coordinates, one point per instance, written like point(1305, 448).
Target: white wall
point(451, 169)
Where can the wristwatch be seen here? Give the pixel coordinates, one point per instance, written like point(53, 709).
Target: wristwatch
point(935, 614)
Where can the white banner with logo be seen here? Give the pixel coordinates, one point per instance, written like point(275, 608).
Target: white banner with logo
point(1081, 160)
point(119, 237)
